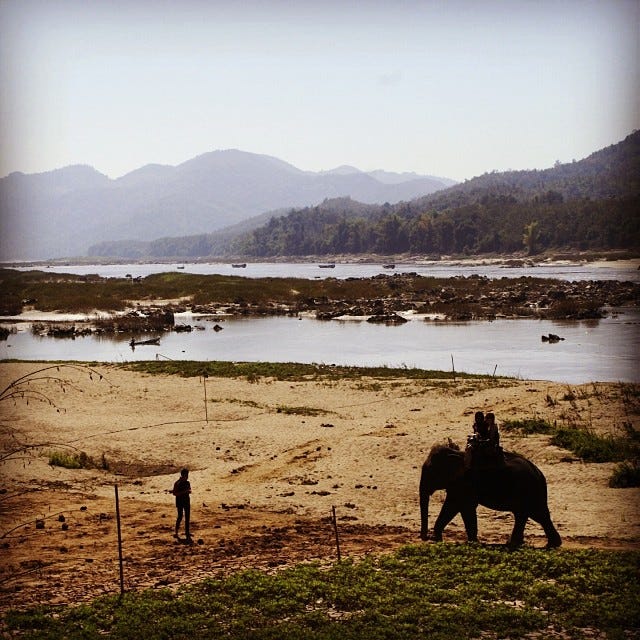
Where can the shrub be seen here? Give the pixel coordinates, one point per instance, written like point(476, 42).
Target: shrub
point(626, 474)
point(66, 460)
point(528, 426)
point(590, 446)
point(76, 460)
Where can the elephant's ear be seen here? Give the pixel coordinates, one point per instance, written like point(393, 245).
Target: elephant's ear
point(455, 459)
point(452, 445)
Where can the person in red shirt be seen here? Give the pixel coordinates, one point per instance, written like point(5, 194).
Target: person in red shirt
point(182, 490)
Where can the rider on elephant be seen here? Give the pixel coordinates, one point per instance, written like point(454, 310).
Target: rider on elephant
point(492, 430)
point(483, 447)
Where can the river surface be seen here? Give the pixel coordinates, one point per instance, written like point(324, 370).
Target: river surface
point(615, 270)
point(594, 350)
point(603, 350)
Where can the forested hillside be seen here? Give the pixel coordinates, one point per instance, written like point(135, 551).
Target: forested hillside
point(497, 225)
point(590, 204)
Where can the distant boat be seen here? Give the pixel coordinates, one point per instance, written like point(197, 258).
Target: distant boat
point(181, 266)
point(240, 265)
point(136, 343)
point(388, 266)
point(330, 265)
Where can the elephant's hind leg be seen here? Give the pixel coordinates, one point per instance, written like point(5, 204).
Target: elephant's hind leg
point(553, 537)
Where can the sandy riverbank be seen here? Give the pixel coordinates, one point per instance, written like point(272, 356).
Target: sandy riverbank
point(266, 468)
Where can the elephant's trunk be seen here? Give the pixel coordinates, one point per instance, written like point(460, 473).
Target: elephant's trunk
point(425, 492)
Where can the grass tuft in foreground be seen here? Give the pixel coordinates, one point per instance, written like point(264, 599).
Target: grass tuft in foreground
point(425, 591)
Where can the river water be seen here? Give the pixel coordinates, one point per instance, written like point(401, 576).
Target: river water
point(600, 350)
point(615, 270)
point(594, 350)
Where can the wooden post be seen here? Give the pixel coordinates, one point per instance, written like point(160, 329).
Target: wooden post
point(335, 529)
point(119, 542)
point(206, 411)
point(453, 367)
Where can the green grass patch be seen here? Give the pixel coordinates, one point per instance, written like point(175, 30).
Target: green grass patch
point(592, 447)
point(288, 371)
point(76, 460)
point(582, 442)
point(528, 426)
point(422, 591)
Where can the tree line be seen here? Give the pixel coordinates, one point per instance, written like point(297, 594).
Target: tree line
point(495, 225)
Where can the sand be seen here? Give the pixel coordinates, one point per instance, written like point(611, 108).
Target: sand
point(268, 461)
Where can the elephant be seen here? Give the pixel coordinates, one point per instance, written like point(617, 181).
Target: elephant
point(515, 485)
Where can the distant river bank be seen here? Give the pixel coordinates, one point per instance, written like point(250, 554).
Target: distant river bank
point(623, 270)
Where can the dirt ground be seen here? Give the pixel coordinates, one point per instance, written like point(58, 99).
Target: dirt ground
point(268, 460)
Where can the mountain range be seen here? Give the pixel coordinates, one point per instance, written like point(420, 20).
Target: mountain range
point(591, 203)
point(61, 213)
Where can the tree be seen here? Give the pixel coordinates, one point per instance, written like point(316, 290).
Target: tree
point(530, 237)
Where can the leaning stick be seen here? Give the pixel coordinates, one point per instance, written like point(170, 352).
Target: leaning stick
point(335, 529)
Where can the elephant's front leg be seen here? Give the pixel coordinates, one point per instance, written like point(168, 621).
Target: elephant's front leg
point(450, 508)
point(470, 519)
point(517, 535)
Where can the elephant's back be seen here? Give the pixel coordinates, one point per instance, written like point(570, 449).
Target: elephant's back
point(524, 470)
point(518, 461)
point(518, 485)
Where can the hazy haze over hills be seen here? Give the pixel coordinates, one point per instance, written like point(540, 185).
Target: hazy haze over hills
point(61, 213)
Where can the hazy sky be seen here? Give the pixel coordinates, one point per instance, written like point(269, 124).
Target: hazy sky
point(451, 88)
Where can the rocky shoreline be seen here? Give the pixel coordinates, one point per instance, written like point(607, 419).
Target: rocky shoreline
point(473, 298)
